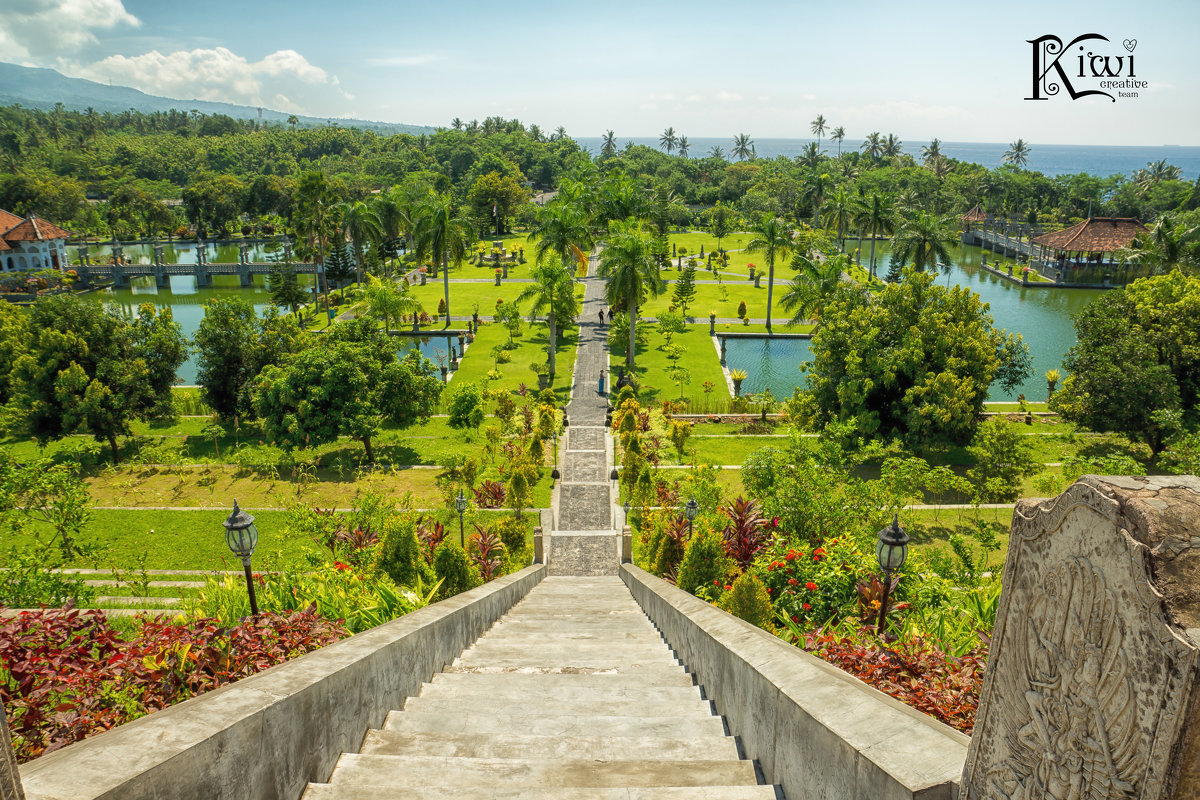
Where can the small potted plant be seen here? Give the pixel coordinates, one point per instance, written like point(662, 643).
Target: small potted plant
point(737, 376)
point(497, 276)
point(752, 268)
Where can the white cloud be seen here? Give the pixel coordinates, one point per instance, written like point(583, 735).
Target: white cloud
point(216, 74)
point(728, 97)
point(34, 29)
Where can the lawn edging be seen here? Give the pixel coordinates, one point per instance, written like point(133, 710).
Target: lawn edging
point(269, 735)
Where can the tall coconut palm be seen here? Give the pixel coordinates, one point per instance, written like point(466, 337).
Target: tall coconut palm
point(838, 135)
point(814, 194)
point(456, 124)
point(683, 146)
point(552, 293)
point(773, 238)
point(1166, 246)
point(810, 155)
point(841, 210)
point(716, 152)
point(315, 218)
point(743, 146)
point(559, 134)
point(668, 140)
point(877, 217)
point(609, 148)
point(535, 133)
point(931, 152)
point(814, 285)
point(1017, 153)
point(891, 146)
point(630, 270)
point(394, 210)
point(1156, 172)
point(819, 128)
point(873, 145)
point(442, 234)
point(362, 226)
point(562, 231)
point(924, 240)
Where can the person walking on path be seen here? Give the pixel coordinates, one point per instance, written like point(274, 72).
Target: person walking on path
point(601, 382)
point(602, 316)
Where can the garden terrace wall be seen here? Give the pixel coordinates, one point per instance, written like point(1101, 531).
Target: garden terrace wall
point(267, 736)
point(813, 729)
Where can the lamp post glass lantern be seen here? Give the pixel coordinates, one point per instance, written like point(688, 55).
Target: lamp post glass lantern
point(460, 505)
point(242, 537)
point(891, 552)
point(691, 510)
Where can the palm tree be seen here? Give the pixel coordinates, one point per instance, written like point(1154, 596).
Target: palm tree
point(891, 147)
point(838, 135)
point(774, 240)
point(609, 148)
point(924, 240)
point(873, 145)
point(814, 285)
point(877, 217)
point(456, 124)
point(361, 224)
point(561, 229)
point(293, 121)
point(683, 146)
point(314, 217)
point(552, 292)
point(1166, 246)
point(443, 235)
point(668, 140)
point(814, 195)
point(631, 273)
point(818, 127)
point(810, 156)
point(743, 146)
point(940, 167)
point(931, 151)
point(1156, 172)
point(389, 302)
point(840, 212)
point(1017, 153)
point(559, 134)
point(716, 152)
point(473, 126)
point(535, 133)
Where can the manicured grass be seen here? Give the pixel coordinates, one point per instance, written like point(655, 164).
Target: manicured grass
point(465, 297)
point(700, 359)
point(529, 349)
point(693, 239)
point(931, 528)
point(724, 450)
point(721, 299)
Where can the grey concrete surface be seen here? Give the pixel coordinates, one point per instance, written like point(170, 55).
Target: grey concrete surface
point(267, 736)
point(571, 694)
point(814, 730)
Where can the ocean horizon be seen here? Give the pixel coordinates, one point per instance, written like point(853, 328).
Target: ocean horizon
point(1049, 159)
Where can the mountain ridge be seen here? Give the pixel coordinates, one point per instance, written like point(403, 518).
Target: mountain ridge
point(39, 87)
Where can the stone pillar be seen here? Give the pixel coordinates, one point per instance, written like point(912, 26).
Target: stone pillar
point(758, 281)
point(1092, 688)
point(10, 775)
point(161, 279)
point(119, 279)
point(712, 324)
point(245, 278)
point(538, 551)
point(723, 341)
point(626, 545)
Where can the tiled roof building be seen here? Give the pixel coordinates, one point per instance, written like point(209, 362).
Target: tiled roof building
point(1093, 235)
point(30, 243)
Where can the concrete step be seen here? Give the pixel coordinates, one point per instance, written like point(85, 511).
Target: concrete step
point(562, 681)
point(558, 660)
point(597, 690)
point(405, 772)
point(556, 706)
point(325, 791)
point(635, 671)
point(554, 725)
point(515, 745)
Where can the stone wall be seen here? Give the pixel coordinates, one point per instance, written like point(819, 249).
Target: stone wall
point(267, 736)
point(1092, 689)
point(813, 729)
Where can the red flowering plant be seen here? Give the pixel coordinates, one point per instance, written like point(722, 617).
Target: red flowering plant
point(815, 585)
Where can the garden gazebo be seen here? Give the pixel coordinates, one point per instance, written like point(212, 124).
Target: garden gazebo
point(1086, 243)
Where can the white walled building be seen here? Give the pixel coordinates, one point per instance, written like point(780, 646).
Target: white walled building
point(31, 244)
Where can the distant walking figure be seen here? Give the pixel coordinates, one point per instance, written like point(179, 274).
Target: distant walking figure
point(602, 316)
point(601, 382)
point(610, 313)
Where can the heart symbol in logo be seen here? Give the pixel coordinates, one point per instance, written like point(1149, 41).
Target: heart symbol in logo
point(1130, 44)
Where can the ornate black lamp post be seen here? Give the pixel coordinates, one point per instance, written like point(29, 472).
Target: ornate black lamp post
point(890, 552)
point(242, 538)
point(554, 473)
point(460, 505)
point(690, 511)
point(626, 507)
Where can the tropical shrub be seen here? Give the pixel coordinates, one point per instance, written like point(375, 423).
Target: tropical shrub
point(400, 554)
point(454, 569)
point(748, 599)
point(746, 533)
point(490, 494)
point(704, 562)
point(466, 407)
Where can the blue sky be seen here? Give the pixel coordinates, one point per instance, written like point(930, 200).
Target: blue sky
point(958, 71)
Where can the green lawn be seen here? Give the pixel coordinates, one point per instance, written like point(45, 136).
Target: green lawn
point(700, 360)
point(693, 239)
point(529, 349)
point(724, 300)
point(466, 297)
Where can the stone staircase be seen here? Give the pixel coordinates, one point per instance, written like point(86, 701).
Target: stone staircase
point(572, 694)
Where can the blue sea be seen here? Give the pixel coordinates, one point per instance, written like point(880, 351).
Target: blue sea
point(1049, 159)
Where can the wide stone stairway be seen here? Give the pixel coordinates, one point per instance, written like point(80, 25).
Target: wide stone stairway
point(572, 694)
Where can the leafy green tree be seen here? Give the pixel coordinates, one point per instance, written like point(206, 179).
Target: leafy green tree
point(704, 561)
point(285, 285)
point(1171, 243)
point(876, 217)
point(773, 238)
point(814, 286)
point(389, 301)
point(552, 292)
point(338, 266)
point(685, 288)
point(442, 235)
point(314, 217)
point(720, 222)
point(1137, 355)
point(348, 384)
point(364, 229)
point(14, 338)
point(1003, 457)
point(233, 345)
point(496, 197)
point(630, 273)
point(913, 361)
point(88, 369)
point(455, 569)
point(213, 202)
point(924, 241)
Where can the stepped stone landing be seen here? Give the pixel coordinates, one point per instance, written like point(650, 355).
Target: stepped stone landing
point(572, 694)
